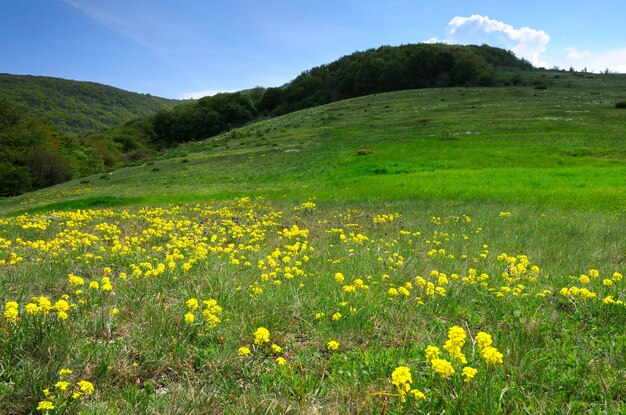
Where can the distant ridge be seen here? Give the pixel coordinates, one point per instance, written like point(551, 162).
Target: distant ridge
point(76, 106)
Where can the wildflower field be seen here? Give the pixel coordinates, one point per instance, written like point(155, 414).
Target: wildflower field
point(276, 270)
point(241, 306)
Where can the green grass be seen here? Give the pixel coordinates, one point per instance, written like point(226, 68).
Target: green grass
point(451, 163)
point(563, 146)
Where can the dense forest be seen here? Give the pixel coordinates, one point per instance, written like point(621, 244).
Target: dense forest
point(36, 112)
point(78, 107)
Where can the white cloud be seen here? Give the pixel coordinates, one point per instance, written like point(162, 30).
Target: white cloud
point(525, 42)
point(575, 54)
point(433, 40)
point(613, 60)
point(200, 94)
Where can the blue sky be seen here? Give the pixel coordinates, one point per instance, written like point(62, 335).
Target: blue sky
point(191, 48)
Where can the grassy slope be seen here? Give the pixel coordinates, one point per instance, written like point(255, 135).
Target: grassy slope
point(554, 160)
point(563, 146)
point(79, 107)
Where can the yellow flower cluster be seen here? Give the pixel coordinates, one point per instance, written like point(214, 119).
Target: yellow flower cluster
point(402, 379)
point(453, 345)
point(211, 311)
point(332, 345)
point(261, 336)
point(66, 392)
point(456, 340)
point(11, 311)
point(490, 354)
point(39, 306)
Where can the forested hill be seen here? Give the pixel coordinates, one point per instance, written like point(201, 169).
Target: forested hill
point(385, 69)
point(37, 114)
point(78, 107)
point(391, 68)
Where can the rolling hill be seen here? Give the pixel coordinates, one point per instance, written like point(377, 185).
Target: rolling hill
point(78, 107)
point(538, 146)
point(439, 250)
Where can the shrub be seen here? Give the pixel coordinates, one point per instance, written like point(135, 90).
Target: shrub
point(620, 104)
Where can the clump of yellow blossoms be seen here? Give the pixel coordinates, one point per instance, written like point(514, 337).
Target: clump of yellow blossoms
point(401, 378)
point(261, 336)
point(244, 351)
point(442, 367)
point(468, 373)
point(456, 340)
point(11, 311)
point(490, 354)
point(432, 352)
point(66, 392)
point(211, 312)
point(332, 345)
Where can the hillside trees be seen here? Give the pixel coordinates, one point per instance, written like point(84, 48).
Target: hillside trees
point(29, 156)
point(78, 107)
point(388, 69)
point(202, 119)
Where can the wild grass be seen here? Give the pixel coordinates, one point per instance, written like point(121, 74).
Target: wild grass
point(560, 147)
point(455, 179)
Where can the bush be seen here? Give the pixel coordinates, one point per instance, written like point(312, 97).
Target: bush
point(620, 104)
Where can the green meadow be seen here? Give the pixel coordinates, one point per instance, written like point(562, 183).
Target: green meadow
point(371, 239)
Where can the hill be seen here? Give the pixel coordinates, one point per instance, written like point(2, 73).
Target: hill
point(439, 250)
point(78, 107)
point(539, 146)
point(388, 68)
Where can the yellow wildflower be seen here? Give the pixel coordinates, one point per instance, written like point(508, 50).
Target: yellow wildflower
point(332, 345)
point(401, 378)
point(492, 356)
point(85, 386)
point(65, 372)
point(469, 373)
point(11, 311)
point(443, 367)
point(45, 406)
point(417, 394)
point(432, 352)
point(243, 351)
point(62, 385)
point(261, 335)
point(483, 339)
point(192, 304)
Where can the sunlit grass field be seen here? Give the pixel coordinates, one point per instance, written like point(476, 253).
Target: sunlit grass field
point(471, 261)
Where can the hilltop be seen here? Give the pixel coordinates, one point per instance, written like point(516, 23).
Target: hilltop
point(78, 107)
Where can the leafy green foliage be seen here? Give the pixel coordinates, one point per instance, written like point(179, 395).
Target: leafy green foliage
point(34, 155)
point(78, 107)
point(390, 69)
point(205, 118)
point(505, 144)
